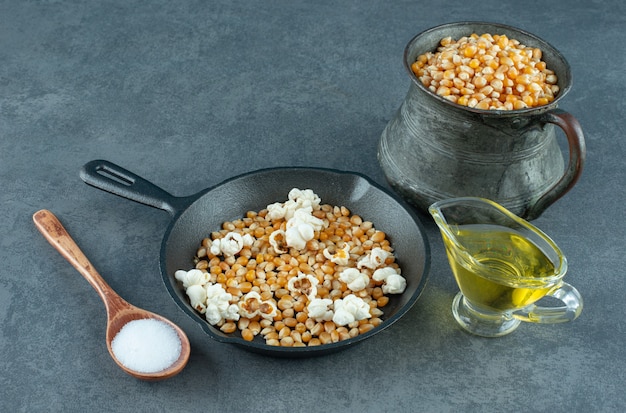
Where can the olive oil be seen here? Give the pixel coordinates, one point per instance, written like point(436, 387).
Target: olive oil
point(498, 267)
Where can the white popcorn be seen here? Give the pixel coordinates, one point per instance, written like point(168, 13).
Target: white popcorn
point(305, 216)
point(276, 211)
point(340, 257)
point(374, 259)
point(215, 247)
point(231, 244)
point(381, 274)
point(231, 313)
point(218, 305)
point(298, 212)
point(303, 284)
point(343, 317)
point(355, 279)
point(394, 283)
point(319, 309)
point(288, 209)
point(192, 277)
point(228, 246)
point(276, 244)
point(268, 310)
point(251, 306)
point(197, 297)
point(248, 240)
point(298, 199)
point(349, 309)
point(212, 314)
point(301, 228)
point(298, 235)
point(304, 198)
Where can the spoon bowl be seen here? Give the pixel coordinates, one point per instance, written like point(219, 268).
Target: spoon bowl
point(119, 311)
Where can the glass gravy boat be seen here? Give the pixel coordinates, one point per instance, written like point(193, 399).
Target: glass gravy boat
point(503, 266)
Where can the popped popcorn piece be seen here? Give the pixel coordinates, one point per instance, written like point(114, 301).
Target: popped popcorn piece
point(303, 284)
point(192, 277)
point(381, 274)
point(213, 314)
point(231, 244)
point(251, 305)
point(305, 216)
point(349, 309)
point(298, 212)
point(374, 259)
point(197, 297)
point(394, 283)
point(298, 235)
point(276, 211)
point(215, 247)
point(340, 257)
point(218, 306)
point(320, 309)
point(301, 228)
point(355, 279)
point(298, 199)
point(248, 240)
point(231, 312)
point(277, 244)
point(268, 310)
point(304, 198)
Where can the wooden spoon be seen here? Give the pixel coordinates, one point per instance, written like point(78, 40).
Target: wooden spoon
point(119, 311)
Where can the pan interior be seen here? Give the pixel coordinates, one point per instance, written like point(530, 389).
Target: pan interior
point(253, 192)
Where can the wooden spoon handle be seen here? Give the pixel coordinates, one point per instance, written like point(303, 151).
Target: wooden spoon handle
point(52, 229)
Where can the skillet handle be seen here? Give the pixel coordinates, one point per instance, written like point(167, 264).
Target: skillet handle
point(112, 178)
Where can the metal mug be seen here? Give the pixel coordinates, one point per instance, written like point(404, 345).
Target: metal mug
point(434, 149)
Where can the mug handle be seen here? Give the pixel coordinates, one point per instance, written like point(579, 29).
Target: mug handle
point(577, 152)
point(569, 311)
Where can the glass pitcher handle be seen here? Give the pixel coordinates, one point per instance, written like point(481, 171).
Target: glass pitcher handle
point(570, 310)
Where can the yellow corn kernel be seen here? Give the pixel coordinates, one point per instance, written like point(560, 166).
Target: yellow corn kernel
point(247, 335)
point(497, 85)
point(519, 104)
point(479, 81)
point(470, 50)
point(542, 101)
point(474, 63)
point(443, 91)
point(505, 60)
point(502, 41)
point(493, 64)
point(528, 100)
point(483, 104)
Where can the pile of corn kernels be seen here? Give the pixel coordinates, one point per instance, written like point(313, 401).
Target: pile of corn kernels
point(260, 279)
point(487, 72)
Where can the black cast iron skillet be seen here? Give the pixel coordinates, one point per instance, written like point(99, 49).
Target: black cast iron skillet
point(195, 217)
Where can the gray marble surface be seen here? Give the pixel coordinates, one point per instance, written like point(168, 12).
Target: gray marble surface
point(189, 93)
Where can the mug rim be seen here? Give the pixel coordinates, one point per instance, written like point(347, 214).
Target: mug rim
point(545, 47)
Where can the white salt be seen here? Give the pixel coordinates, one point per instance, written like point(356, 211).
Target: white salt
point(146, 345)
